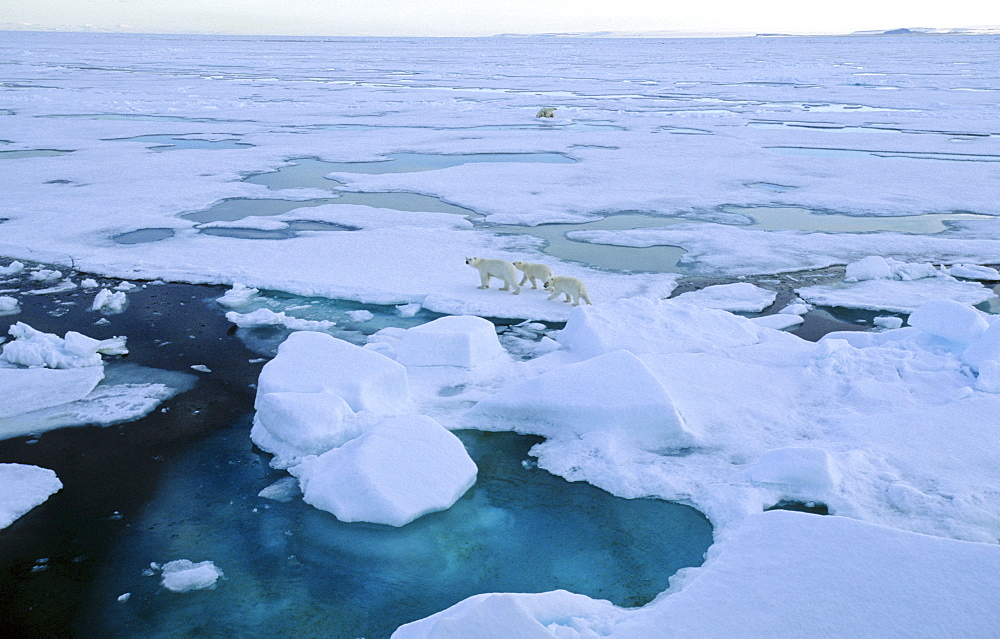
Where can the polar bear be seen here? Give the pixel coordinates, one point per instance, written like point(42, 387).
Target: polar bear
point(571, 287)
point(540, 272)
point(546, 112)
point(500, 269)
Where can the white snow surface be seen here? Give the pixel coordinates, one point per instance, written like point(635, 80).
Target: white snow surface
point(22, 487)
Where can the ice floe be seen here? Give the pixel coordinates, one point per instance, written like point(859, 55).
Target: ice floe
point(22, 487)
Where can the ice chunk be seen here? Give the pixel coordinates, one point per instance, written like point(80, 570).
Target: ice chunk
point(401, 469)
point(238, 295)
point(311, 362)
point(284, 490)
point(873, 267)
point(778, 321)
point(360, 315)
point(644, 325)
point(109, 303)
point(797, 472)
point(738, 297)
point(308, 423)
point(9, 306)
point(458, 340)
point(505, 615)
point(613, 393)
point(949, 320)
point(29, 389)
point(266, 317)
point(34, 348)
point(888, 322)
point(12, 269)
point(974, 272)
point(408, 310)
point(88, 283)
point(22, 487)
point(183, 575)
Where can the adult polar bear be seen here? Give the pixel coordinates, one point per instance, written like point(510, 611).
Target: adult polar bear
point(500, 269)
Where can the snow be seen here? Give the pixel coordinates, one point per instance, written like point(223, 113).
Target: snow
point(457, 340)
point(183, 575)
point(22, 487)
point(311, 362)
point(34, 348)
point(741, 296)
point(612, 396)
point(291, 425)
point(238, 295)
point(950, 321)
point(399, 470)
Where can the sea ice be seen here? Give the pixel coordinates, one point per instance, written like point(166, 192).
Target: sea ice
point(778, 321)
point(108, 302)
point(900, 296)
point(183, 575)
point(267, 317)
point(974, 272)
point(291, 425)
point(797, 473)
point(740, 296)
point(22, 487)
point(311, 362)
point(9, 306)
point(14, 268)
point(613, 395)
point(238, 295)
point(30, 389)
point(950, 321)
point(35, 348)
point(466, 341)
point(397, 471)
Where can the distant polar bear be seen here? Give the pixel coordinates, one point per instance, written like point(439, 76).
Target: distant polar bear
point(571, 287)
point(546, 112)
point(533, 272)
point(500, 269)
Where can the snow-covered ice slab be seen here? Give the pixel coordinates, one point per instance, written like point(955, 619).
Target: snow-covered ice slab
point(898, 296)
point(740, 296)
point(30, 389)
point(22, 487)
point(787, 574)
point(397, 471)
point(311, 362)
point(465, 341)
point(656, 326)
point(290, 425)
point(183, 575)
point(612, 395)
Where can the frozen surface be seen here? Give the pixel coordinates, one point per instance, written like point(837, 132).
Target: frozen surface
point(400, 469)
point(183, 575)
point(466, 341)
point(22, 487)
point(741, 296)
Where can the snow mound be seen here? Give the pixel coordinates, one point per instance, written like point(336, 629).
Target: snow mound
point(949, 320)
point(644, 325)
point(401, 469)
point(738, 297)
point(183, 575)
point(613, 393)
point(546, 615)
point(311, 362)
point(22, 487)
point(465, 341)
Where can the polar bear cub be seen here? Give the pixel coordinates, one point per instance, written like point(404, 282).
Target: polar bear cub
point(571, 287)
point(546, 112)
point(500, 269)
point(533, 272)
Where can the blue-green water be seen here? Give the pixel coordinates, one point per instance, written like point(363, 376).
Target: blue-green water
point(294, 571)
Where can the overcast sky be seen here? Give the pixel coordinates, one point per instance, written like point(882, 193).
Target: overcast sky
point(489, 17)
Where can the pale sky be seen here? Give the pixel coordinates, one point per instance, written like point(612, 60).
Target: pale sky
point(490, 17)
